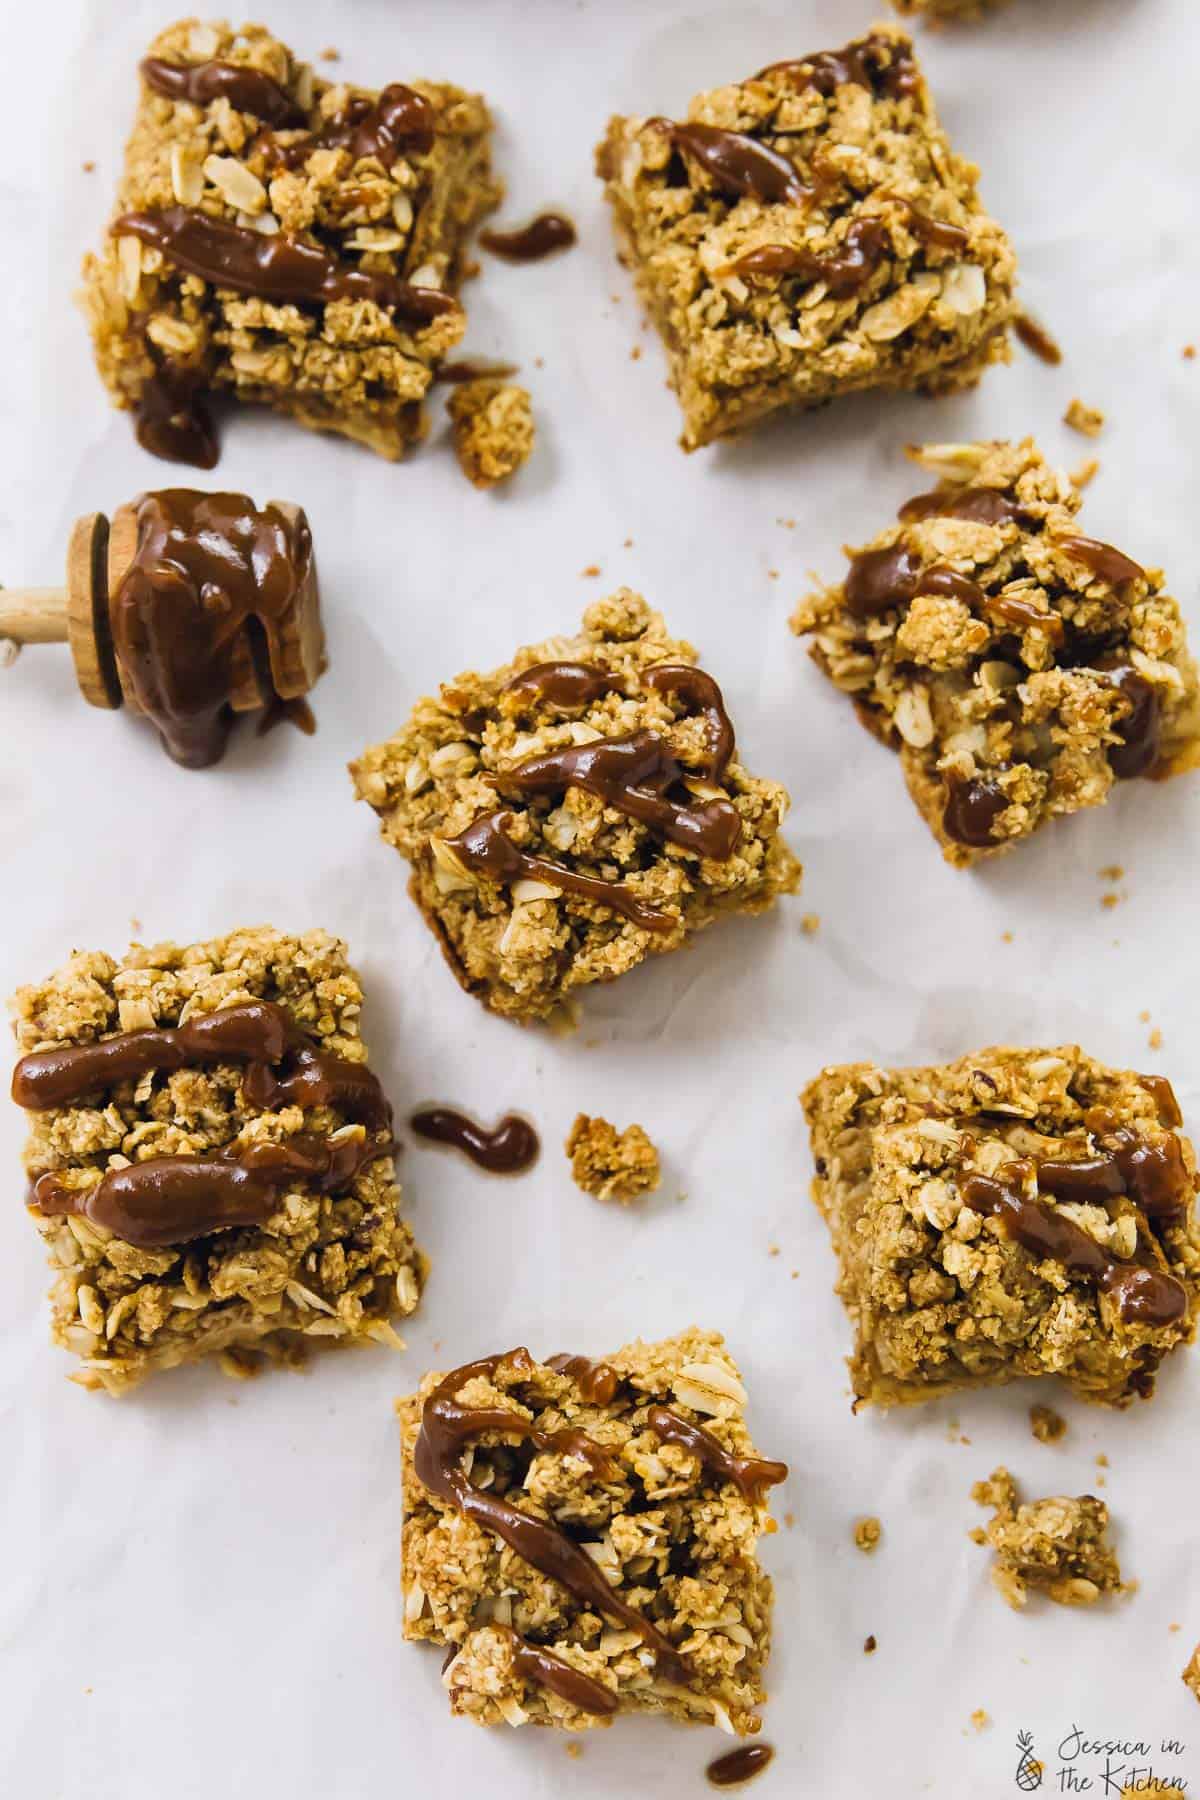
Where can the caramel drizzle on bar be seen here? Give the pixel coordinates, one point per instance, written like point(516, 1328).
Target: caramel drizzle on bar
point(879, 63)
point(632, 773)
point(558, 1676)
point(248, 90)
point(281, 268)
point(446, 1430)
point(258, 1033)
point(169, 1200)
point(892, 576)
point(844, 270)
point(1143, 1295)
point(738, 163)
point(751, 1475)
point(205, 567)
point(485, 848)
point(400, 119)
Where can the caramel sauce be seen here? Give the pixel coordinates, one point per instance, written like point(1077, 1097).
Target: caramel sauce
point(633, 774)
point(699, 691)
point(971, 810)
point(549, 232)
point(740, 164)
point(1143, 1296)
point(486, 849)
point(206, 566)
point(751, 1475)
point(1035, 337)
point(876, 62)
point(939, 234)
point(281, 268)
point(565, 686)
point(1141, 729)
point(737, 1766)
point(248, 90)
point(172, 416)
point(598, 1382)
point(843, 271)
point(1153, 1175)
point(509, 1148)
point(446, 1430)
point(258, 1033)
point(1170, 1113)
point(169, 1200)
point(983, 506)
point(559, 1677)
point(400, 119)
point(1101, 559)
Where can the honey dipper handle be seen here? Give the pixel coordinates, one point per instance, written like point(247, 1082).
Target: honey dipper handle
point(33, 615)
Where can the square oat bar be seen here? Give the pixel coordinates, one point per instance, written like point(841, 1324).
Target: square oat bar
point(577, 810)
point(808, 232)
point(1019, 1212)
point(210, 1159)
point(283, 240)
point(1019, 667)
point(582, 1536)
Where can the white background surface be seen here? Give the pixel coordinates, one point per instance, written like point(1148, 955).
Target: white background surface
point(199, 1588)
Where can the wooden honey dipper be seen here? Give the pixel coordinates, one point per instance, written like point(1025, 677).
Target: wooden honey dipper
point(189, 607)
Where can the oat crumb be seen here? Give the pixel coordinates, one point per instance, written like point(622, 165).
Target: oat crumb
point(1110, 900)
point(1085, 474)
point(612, 1164)
point(867, 1535)
point(1058, 1545)
point(789, 1520)
point(635, 355)
point(1155, 1039)
point(1048, 1427)
point(493, 429)
point(1112, 872)
point(871, 1645)
point(1006, 937)
point(1189, 353)
point(573, 1748)
point(331, 53)
point(1088, 420)
point(88, 166)
point(592, 569)
point(772, 1249)
point(980, 1719)
point(810, 924)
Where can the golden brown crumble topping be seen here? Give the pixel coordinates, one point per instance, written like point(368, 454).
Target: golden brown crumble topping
point(493, 429)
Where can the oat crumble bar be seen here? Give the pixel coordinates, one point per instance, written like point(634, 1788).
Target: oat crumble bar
point(493, 430)
point(612, 1164)
point(1015, 1213)
point(284, 240)
point(636, 1482)
point(577, 810)
point(141, 1115)
point(1058, 1546)
point(806, 233)
point(1019, 667)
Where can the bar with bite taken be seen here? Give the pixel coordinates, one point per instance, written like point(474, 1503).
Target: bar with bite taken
point(580, 1537)
point(1020, 667)
point(283, 240)
point(209, 1156)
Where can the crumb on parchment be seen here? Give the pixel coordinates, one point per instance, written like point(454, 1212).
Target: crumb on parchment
point(611, 1164)
point(1058, 1545)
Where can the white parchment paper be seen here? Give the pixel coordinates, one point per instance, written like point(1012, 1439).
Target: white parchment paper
point(199, 1587)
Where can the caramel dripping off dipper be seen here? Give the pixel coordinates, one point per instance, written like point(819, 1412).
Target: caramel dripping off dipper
point(275, 667)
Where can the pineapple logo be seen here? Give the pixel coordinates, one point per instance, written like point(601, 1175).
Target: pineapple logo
point(1029, 1770)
